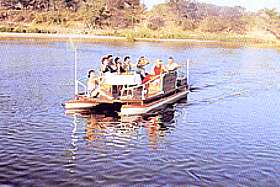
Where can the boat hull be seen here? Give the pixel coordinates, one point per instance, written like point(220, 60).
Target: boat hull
point(79, 105)
point(90, 106)
point(123, 109)
point(128, 110)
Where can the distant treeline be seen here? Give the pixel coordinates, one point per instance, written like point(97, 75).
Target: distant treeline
point(193, 16)
point(174, 16)
point(90, 13)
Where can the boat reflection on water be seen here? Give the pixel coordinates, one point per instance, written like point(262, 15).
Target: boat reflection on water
point(110, 129)
point(100, 126)
point(115, 130)
point(105, 132)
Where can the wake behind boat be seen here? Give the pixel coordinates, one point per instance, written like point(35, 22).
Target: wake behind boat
point(128, 93)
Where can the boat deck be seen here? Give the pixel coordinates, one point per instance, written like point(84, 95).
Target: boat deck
point(134, 99)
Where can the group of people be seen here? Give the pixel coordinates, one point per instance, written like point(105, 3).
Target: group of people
point(116, 65)
point(119, 66)
point(160, 68)
point(108, 64)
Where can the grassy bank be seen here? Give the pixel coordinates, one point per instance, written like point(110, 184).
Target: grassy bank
point(132, 35)
point(51, 37)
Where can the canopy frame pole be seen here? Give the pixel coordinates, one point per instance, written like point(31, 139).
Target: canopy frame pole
point(76, 73)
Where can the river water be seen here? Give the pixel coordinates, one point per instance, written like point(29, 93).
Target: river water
point(226, 133)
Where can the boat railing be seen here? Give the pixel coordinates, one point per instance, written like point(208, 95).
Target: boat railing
point(183, 73)
point(139, 92)
point(186, 74)
point(80, 83)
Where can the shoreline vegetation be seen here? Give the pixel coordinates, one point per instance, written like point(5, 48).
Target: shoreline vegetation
point(129, 21)
point(50, 37)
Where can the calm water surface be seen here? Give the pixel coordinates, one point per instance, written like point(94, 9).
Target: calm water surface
point(226, 133)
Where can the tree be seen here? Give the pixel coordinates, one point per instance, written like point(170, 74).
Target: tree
point(272, 13)
point(273, 21)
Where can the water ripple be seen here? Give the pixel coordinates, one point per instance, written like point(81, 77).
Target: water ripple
point(225, 133)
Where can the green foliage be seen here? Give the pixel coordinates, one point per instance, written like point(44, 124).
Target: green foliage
point(130, 37)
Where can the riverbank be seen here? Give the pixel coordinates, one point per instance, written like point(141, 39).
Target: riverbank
point(90, 37)
point(103, 38)
point(166, 22)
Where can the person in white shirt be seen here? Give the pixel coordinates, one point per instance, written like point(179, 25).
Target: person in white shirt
point(93, 85)
point(171, 65)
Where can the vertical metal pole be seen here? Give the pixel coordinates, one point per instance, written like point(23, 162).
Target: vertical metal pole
point(188, 72)
point(76, 81)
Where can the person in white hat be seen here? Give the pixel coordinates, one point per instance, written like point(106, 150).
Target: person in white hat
point(159, 68)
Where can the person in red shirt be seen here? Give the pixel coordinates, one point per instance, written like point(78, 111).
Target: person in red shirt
point(159, 67)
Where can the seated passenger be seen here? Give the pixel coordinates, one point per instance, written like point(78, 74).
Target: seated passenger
point(159, 68)
point(127, 65)
point(119, 65)
point(93, 85)
point(171, 65)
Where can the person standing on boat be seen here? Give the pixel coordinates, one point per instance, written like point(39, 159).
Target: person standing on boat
point(142, 62)
point(127, 65)
point(159, 68)
point(171, 65)
point(111, 64)
point(107, 65)
point(110, 58)
point(119, 65)
point(104, 65)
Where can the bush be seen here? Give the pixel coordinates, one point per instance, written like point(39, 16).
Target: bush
point(213, 24)
point(155, 23)
point(130, 37)
point(188, 25)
